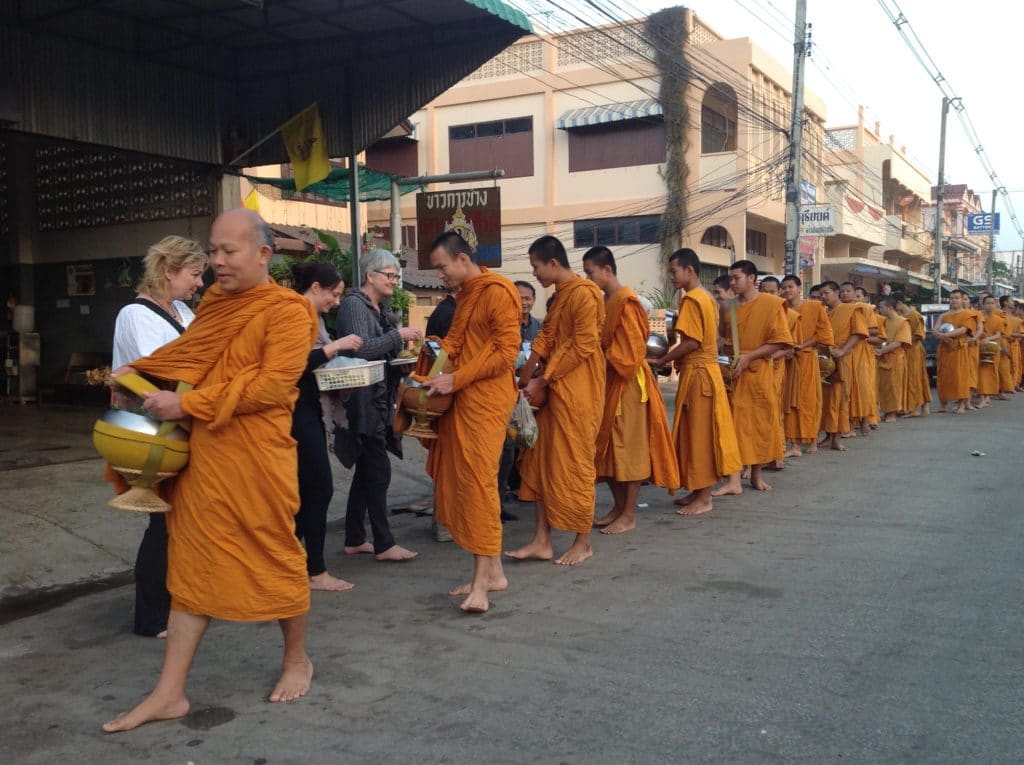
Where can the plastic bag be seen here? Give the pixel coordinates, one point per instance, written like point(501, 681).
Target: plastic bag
point(522, 428)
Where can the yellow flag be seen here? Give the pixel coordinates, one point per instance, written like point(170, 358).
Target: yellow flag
point(252, 201)
point(304, 139)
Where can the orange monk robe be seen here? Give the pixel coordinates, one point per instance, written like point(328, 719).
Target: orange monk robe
point(803, 419)
point(989, 377)
point(233, 553)
point(755, 402)
point(974, 349)
point(1003, 362)
point(862, 384)
point(633, 442)
point(1015, 355)
point(919, 387)
point(953, 358)
point(703, 431)
point(560, 470)
point(782, 368)
point(892, 367)
point(847, 319)
point(482, 346)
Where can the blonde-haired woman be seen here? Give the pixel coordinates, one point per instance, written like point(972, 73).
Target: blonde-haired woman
point(159, 314)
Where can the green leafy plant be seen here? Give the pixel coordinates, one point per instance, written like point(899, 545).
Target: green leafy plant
point(662, 298)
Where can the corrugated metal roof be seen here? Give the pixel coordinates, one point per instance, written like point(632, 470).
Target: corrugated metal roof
point(605, 113)
point(176, 78)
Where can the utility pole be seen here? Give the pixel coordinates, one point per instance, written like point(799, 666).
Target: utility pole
point(940, 202)
point(796, 134)
point(991, 246)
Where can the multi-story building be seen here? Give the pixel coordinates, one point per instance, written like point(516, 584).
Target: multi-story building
point(964, 255)
point(879, 195)
point(577, 124)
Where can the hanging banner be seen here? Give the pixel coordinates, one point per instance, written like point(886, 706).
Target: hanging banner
point(805, 250)
point(474, 214)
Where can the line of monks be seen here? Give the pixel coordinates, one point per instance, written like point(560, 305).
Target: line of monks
point(763, 373)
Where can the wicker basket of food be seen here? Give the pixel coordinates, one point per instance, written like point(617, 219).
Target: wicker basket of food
point(349, 373)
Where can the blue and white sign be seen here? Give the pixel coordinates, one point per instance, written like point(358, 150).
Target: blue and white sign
point(983, 223)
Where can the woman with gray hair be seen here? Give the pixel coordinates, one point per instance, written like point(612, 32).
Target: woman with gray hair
point(365, 442)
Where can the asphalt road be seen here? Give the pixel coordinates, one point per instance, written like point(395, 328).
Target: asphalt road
point(867, 611)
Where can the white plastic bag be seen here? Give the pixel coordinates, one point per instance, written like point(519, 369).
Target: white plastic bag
point(522, 428)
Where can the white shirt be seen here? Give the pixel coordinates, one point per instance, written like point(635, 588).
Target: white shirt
point(139, 331)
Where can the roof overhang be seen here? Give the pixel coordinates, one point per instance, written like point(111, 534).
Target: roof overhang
point(606, 114)
point(865, 267)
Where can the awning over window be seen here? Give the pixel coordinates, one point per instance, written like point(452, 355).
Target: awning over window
point(373, 186)
point(607, 113)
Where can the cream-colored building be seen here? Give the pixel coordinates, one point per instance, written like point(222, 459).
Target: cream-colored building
point(576, 122)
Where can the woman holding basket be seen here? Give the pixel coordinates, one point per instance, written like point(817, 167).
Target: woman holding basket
point(322, 286)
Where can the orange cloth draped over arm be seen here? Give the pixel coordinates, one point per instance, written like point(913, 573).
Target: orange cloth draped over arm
point(703, 431)
point(233, 553)
point(918, 383)
point(892, 367)
point(803, 420)
point(624, 342)
point(847, 320)
point(559, 470)
point(755, 402)
point(482, 345)
point(954, 358)
point(864, 369)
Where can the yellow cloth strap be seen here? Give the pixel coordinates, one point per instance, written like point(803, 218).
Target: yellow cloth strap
point(641, 380)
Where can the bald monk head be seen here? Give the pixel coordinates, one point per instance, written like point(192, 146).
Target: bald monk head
point(1006, 303)
point(241, 245)
point(814, 293)
point(743, 279)
point(684, 269)
point(847, 292)
point(901, 305)
point(549, 261)
point(770, 285)
point(888, 307)
point(989, 304)
point(791, 290)
point(861, 295)
point(830, 294)
point(453, 259)
point(721, 289)
point(599, 266)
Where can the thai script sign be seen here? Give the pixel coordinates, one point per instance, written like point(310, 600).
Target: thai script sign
point(474, 214)
point(818, 220)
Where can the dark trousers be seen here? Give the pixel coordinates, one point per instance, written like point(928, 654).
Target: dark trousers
point(368, 495)
point(316, 487)
point(152, 600)
point(508, 471)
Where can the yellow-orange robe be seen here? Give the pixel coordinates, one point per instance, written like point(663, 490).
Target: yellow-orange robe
point(1003, 361)
point(974, 346)
point(784, 370)
point(989, 377)
point(755, 401)
point(1015, 355)
point(892, 367)
point(233, 553)
point(633, 442)
point(847, 319)
point(482, 346)
point(703, 431)
point(919, 386)
point(803, 418)
point(559, 470)
point(953, 358)
point(864, 392)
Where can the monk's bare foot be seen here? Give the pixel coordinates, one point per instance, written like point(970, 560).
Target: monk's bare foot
point(620, 525)
point(575, 555)
point(396, 554)
point(777, 465)
point(910, 415)
point(746, 473)
point(961, 409)
point(533, 551)
point(889, 418)
point(697, 507)
point(851, 434)
point(836, 444)
point(365, 547)
point(793, 451)
point(926, 410)
point(865, 429)
point(294, 681)
point(475, 603)
point(608, 517)
point(329, 583)
point(760, 484)
point(150, 709)
point(494, 585)
point(729, 488)
point(684, 501)
point(812, 448)
point(1002, 397)
point(162, 635)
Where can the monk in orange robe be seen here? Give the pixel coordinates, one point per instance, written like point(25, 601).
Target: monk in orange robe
point(558, 473)
point(863, 369)
point(233, 553)
point(482, 345)
point(1007, 386)
point(971, 312)
point(802, 421)
point(919, 386)
point(992, 380)
point(953, 357)
point(850, 330)
point(762, 327)
point(1015, 334)
point(892, 361)
point(703, 431)
point(633, 442)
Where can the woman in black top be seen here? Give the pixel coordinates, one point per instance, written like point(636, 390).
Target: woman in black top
point(321, 285)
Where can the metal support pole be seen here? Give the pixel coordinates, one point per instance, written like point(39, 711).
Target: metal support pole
point(940, 201)
point(991, 246)
point(353, 186)
point(796, 131)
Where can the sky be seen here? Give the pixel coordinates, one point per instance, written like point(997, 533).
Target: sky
point(859, 57)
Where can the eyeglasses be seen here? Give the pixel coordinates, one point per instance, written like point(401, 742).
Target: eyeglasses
point(389, 275)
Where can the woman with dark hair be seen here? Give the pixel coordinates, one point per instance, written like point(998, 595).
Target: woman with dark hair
point(322, 286)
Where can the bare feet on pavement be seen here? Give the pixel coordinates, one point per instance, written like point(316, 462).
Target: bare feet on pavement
point(533, 551)
point(575, 555)
point(329, 583)
point(396, 554)
point(365, 547)
point(296, 675)
point(150, 709)
point(620, 525)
